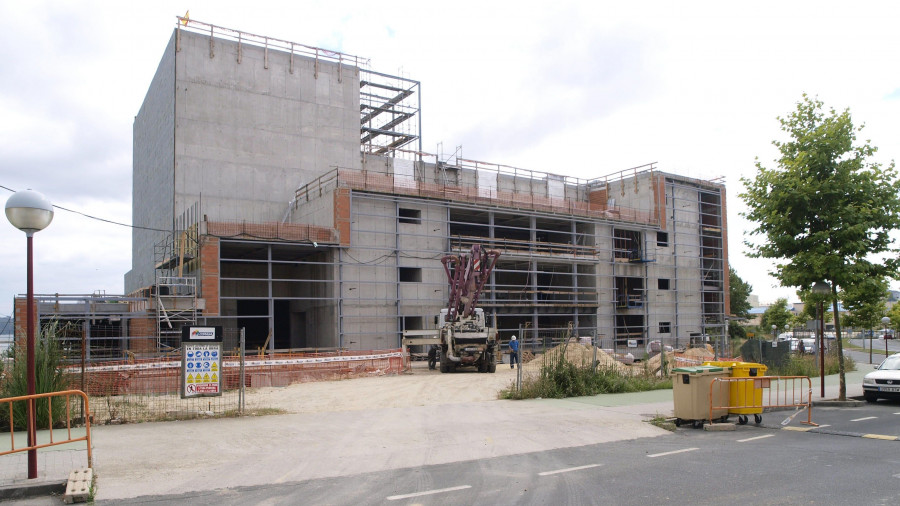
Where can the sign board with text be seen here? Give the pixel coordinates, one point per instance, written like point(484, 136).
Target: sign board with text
point(201, 362)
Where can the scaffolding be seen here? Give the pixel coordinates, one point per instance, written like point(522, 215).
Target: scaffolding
point(174, 296)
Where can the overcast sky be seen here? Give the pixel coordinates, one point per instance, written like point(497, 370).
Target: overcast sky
point(576, 88)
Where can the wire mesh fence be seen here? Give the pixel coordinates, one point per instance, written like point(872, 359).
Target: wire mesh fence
point(150, 387)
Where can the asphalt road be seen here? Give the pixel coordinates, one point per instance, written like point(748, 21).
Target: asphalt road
point(751, 465)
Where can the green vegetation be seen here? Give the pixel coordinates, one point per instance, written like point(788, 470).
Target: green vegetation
point(807, 365)
point(49, 377)
point(560, 378)
point(662, 422)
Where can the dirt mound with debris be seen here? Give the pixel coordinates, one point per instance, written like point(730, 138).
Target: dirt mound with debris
point(574, 353)
point(691, 356)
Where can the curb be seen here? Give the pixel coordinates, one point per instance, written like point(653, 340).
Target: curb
point(32, 488)
point(834, 403)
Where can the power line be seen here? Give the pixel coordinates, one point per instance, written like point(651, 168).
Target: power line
point(98, 218)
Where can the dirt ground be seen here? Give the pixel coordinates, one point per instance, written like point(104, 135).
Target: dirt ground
point(424, 387)
point(420, 387)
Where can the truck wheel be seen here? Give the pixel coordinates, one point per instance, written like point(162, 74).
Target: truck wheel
point(445, 363)
point(492, 364)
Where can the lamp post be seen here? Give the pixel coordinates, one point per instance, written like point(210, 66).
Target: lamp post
point(821, 288)
point(30, 212)
point(774, 335)
point(885, 321)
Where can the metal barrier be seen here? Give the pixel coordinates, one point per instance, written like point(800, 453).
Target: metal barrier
point(69, 439)
point(783, 392)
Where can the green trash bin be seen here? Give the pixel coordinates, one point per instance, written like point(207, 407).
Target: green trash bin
point(747, 395)
point(691, 394)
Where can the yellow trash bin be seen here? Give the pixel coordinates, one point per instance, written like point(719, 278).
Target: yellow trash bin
point(691, 394)
point(747, 395)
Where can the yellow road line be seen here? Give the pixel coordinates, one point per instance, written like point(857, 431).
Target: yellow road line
point(880, 436)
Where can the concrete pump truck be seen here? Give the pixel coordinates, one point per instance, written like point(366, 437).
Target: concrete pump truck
point(465, 338)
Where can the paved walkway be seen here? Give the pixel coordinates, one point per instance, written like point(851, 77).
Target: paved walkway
point(188, 456)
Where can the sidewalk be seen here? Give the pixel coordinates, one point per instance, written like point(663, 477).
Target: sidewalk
point(189, 456)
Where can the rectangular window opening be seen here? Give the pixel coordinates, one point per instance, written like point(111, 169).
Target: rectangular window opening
point(662, 239)
point(665, 327)
point(662, 284)
point(412, 216)
point(410, 274)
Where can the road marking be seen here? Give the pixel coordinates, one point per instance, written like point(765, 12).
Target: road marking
point(672, 452)
point(579, 468)
point(427, 492)
point(799, 429)
point(897, 413)
point(823, 426)
point(865, 418)
point(880, 436)
point(755, 438)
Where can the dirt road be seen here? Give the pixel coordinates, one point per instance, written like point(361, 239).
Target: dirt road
point(421, 387)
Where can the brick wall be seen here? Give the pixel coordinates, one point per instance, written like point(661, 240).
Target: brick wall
point(209, 274)
point(342, 215)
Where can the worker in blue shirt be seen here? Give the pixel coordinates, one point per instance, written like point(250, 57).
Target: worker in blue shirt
point(513, 352)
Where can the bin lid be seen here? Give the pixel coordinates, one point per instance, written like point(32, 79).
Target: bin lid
point(697, 369)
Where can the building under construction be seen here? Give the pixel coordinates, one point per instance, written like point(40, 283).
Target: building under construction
point(283, 189)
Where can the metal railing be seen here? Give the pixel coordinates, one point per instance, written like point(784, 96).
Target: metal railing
point(32, 439)
point(745, 395)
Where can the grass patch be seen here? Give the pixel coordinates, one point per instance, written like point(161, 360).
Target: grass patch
point(807, 365)
point(256, 412)
point(662, 422)
point(559, 378)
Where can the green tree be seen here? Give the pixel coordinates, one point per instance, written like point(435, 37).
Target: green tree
point(865, 303)
point(894, 315)
point(739, 295)
point(826, 209)
point(777, 314)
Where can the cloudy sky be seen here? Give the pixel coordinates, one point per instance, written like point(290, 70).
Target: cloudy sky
point(577, 88)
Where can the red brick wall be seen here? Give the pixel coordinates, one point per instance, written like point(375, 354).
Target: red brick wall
point(143, 334)
point(21, 317)
point(209, 274)
point(342, 214)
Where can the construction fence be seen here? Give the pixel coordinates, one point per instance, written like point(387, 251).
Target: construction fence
point(148, 387)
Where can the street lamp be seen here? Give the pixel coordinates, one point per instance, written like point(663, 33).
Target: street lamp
point(885, 321)
point(30, 212)
point(821, 288)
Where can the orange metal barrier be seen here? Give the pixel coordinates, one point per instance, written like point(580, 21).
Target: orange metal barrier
point(746, 394)
point(69, 439)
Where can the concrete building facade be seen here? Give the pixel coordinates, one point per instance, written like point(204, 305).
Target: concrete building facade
point(283, 189)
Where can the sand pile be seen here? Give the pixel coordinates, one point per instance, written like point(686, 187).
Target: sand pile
point(691, 356)
point(577, 354)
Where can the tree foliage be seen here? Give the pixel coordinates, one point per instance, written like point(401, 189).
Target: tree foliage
point(777, 314)
point(865, 303)
point(826, 208)
point(825, 212)
point(739, 295)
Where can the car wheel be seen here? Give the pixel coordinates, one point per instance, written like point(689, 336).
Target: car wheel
point(870, 397)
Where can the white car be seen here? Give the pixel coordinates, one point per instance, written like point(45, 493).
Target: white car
point(884, 382)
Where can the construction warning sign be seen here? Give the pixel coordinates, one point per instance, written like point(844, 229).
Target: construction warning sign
point(201, 368)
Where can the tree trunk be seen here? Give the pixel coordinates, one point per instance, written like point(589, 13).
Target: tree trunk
point(842, 392)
